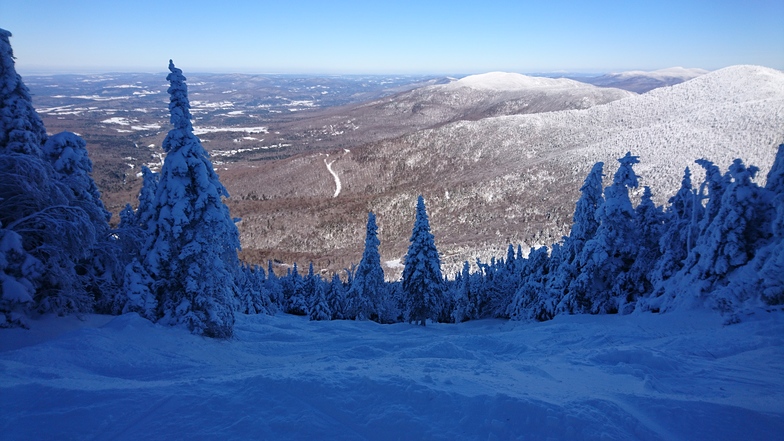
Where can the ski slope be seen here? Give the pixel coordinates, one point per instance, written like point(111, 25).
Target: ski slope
point(676, 376)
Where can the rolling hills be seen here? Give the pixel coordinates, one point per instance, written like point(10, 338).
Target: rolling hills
point(501, 179)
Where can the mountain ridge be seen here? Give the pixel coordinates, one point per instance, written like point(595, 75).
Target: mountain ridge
point(515, 179)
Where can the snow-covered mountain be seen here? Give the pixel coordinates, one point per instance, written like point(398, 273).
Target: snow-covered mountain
point(470, 98)
point(515, 179)
point(643, 81)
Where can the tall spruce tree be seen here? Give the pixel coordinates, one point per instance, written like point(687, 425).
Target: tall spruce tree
point(191, 251)
point(422, 279)
point(368, 289)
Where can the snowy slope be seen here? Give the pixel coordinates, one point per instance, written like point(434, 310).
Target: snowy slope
point(650, 377)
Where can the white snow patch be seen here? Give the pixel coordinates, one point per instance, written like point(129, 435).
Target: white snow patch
point(395, 264)
point(117, 120)
point(335, 176)
point(250, 130)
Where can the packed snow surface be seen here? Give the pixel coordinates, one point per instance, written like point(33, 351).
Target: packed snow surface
point(675, 376)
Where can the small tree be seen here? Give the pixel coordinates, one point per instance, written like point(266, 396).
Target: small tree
point(422, 280)
point(319, 306)
point(364, 297)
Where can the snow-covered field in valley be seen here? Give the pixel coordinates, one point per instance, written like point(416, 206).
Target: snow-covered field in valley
point(684, 375)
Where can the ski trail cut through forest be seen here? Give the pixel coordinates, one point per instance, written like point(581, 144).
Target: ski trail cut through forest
point(338, 186)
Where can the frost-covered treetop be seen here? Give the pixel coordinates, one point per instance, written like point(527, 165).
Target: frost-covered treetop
point(21, 129)
point(625, 174)
point(179, 106)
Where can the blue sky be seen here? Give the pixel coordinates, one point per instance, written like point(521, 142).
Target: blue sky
point(434, 37)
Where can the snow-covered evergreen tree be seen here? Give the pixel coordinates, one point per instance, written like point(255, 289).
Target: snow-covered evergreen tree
point(18, 272)
point(571, 297)
point(336, 298)
point(253, 297)
point(610, 253)
point(422, 280)
point(466, 307)
point(294, 292)
point(368, 289)
point(102, 270)
point(526, 302)
point(715, 184)
point(319, 306)
point(274, 287)
point(679, 232)
point(38, 206)
point(137, 295)
point(738, 228)
point(649, 225)
point(21, 129)
point(191, 252)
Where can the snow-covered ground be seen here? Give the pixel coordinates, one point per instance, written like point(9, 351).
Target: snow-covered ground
point(675, 376)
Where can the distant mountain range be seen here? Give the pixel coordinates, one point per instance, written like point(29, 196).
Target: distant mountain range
point(641, 81)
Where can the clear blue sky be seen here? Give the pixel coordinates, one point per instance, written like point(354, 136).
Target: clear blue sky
point(373, 36)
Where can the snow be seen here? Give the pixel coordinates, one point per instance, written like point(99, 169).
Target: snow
point(335, 176)
point(251, 130)
point(669, 377)
point(127, 122)
point(504, 81)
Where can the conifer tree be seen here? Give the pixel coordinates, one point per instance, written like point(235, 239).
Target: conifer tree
point(21, 129)
point(571, 297)
point(679, 232)
point(649, 226)
point(39, 210)
point(736, 231)
point(319, 306)
point(526, 301)
point(336, 298)
point(137, 296)
point(466, 307)
point(191, 251)
point(18, 272)
point(294, 292)
point(368, 289)
point(422, 280)
point(610, 253)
